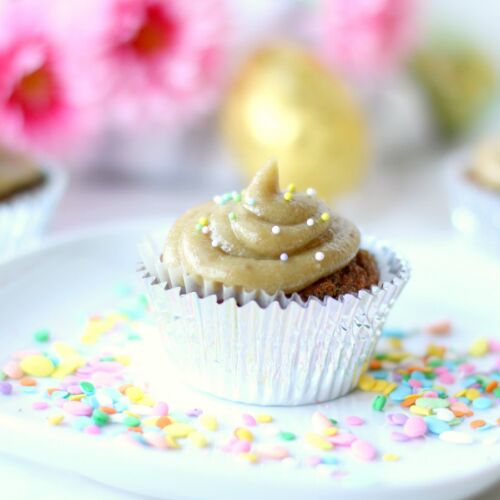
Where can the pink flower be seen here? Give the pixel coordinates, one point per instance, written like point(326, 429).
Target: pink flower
point(364, 37)
point(164, 57)
point(39, 93)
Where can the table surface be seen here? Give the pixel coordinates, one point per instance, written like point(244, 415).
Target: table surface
point(405, 203)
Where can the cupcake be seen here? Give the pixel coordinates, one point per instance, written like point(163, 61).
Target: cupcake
point(474, 188)
point(267, 297)
point(28, 196)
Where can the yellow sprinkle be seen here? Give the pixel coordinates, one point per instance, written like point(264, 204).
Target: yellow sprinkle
point(291, 188)
point(146, 401)
point(325, 216)
point(243, 434)
point(249, 457)
point(209, 422)
point(423, 412)
point(396, 356)
point(67, 367)
point(472, 394)
point(149, 421)
point(330, 431)
point(391, 387)
point(172, 442)
point(77, 397)
point(380, 386)
point(390, 457)
point(436, 350)
point(123, 359)
point(366, 382)
point(63, 349)
point(131, 414)
point(396, 344)
point(178, 430)
point(317, 441)
point(55, 419)
point(203, 221)
point(461, 393)
point(479, 348)
point(263, 419)
point(288, 196)
point(134, 393)
point(37, 365)
point(198, 439)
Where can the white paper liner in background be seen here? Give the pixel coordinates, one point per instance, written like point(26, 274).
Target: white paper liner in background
point(253, 349)
point(475, 210)
point(24, 218)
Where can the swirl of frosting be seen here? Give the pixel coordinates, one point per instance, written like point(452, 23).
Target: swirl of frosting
point(264, 239)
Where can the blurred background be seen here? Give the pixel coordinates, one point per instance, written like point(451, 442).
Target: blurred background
point(150, 106)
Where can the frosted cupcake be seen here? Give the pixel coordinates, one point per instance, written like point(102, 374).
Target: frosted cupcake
point(28, 196)
point(474, 187)
point(267, 297)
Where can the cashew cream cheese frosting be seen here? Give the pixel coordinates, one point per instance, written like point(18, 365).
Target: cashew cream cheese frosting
point(262, 238)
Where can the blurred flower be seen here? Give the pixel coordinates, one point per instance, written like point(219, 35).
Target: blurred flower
point(39, 92)
point(364, 37)
point(163, 57)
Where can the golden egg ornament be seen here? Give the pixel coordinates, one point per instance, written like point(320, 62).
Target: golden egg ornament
point(285, 105)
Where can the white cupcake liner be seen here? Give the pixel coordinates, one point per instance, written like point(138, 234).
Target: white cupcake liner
point(24, 217)
point(475, 210)
point(255, 349)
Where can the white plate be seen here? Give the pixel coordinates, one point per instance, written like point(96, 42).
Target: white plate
point(58, 285)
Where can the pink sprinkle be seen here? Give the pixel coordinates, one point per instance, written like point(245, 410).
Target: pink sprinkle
point(430, 394)
point(13, 370)
point(40, 405)
point(248, 420)
point(399, 436)
point(494, 345)
point(320, 422)
point(228, 447)
point(93, 429)
point(74, 389)
point(363, 450)
point(344, 439)
point(161, 409)
point(447, 378)
point(155, 439)
point(103, 378)
point(241, 446)
point(415, 427)
point(397, 418)
point(77, 408)
point(353, 420)
point(271, 451)
point(467, 368)
point(413, 382)
point(313, 461)
point(441, 369)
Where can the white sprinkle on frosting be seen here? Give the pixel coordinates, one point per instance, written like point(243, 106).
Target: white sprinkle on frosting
point(310, 222)
point(205, 230)
point(311, 192)
point(276, 230)
point(284, 257)
point(319, 256)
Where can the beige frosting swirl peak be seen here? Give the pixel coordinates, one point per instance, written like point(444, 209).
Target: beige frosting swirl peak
point(262, 238)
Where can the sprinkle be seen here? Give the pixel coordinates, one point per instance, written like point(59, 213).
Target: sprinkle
point(379, 403)
point(479, 348)
point(363, 450)
point(178, 430)
point(276, 230)
point(310, 191)
point(344, 439)
point(472, 394)
point(353, 420)
point(55, 419)
point(310, 222)
point(5, 388)
point(390, 457)
point(477, 423)
point(317, 441)
point(236, 197)
point(77, 408)
point(442, 327)
point(284, 257)
point(205, 230)
point(37, 365)
point(320, 422)
point(287, 196)
point(40, 405)
point(481, 403)
point(243, 434)
point(248, 420)
point(100, 418)
point(215, 244)
point(319, 256)
point(209, 422)
point(13, 370)
point(198, 439)
point(291, 188)
point(250, 457)
point(155, 439)
point(203, 221)
point(325, 216)
point(264, 419)
point(287, 436)
point(231, 216)
point(397, 418)
point(251, 201)
point(457, 437)
point(87, 387)
point(415, 427)
point(41, 335)
point(271, 451)
point(134, 393)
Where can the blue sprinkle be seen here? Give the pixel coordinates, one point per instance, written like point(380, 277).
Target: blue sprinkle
point(486, 427)
point(416, 375)
point(436, 426)
point(400, 393)
point(393, 333)
point(481, 403)
point(379, 375)
point(80, 423)
point(29, 389)
point(464, 400)
point(329, 460)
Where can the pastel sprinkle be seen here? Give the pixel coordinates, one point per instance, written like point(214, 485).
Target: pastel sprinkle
point(457, 437)
point(379, 403)
point(55, 419)
point(264, 418)
point(41, 335)
point(77, 408)
point(37, 365)
point(198, 439)
point(287, 196)
point(275, 230)
point(248, 420)
point(5, 388)
point(287, 436)
point(319, 256)
point(231, 216)
point(325, 216)
point(363, 450)
point(283, 257)
point(390, 457)
point(481, 403)
point(209, 422)
point(310, 191)
point(40, 405)
point(317, 441)
point(354, 420)
point(310, 222)
point(415, 427)
point(320, 422)
point(271, 451)
point(243, 434)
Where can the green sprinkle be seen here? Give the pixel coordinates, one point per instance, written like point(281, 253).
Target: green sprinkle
point(231, 216)
point(198, 227)
point(2, 375)
point(287, 436)
point(379, 403)
point(107, 358)
point(432, 403)
point(87, 387)
point(434, 363)
point(133, 336)
point(237, 197)
point(100, 418)
point(333, 421)
point(496, 392)
point(41, 335)
point(142, 300)
point(131, 422)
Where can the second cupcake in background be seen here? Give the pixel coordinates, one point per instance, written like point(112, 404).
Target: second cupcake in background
point(264, 296)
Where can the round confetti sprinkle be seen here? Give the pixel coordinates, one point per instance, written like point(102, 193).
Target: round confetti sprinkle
point(310, 222)
point(311, 191)
point(325, 216)
point(231, 216)
point(276, 230)
point(354, 420)
point(287, 196)
point(41, 335)
point(284, 257)
point(319, 256)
